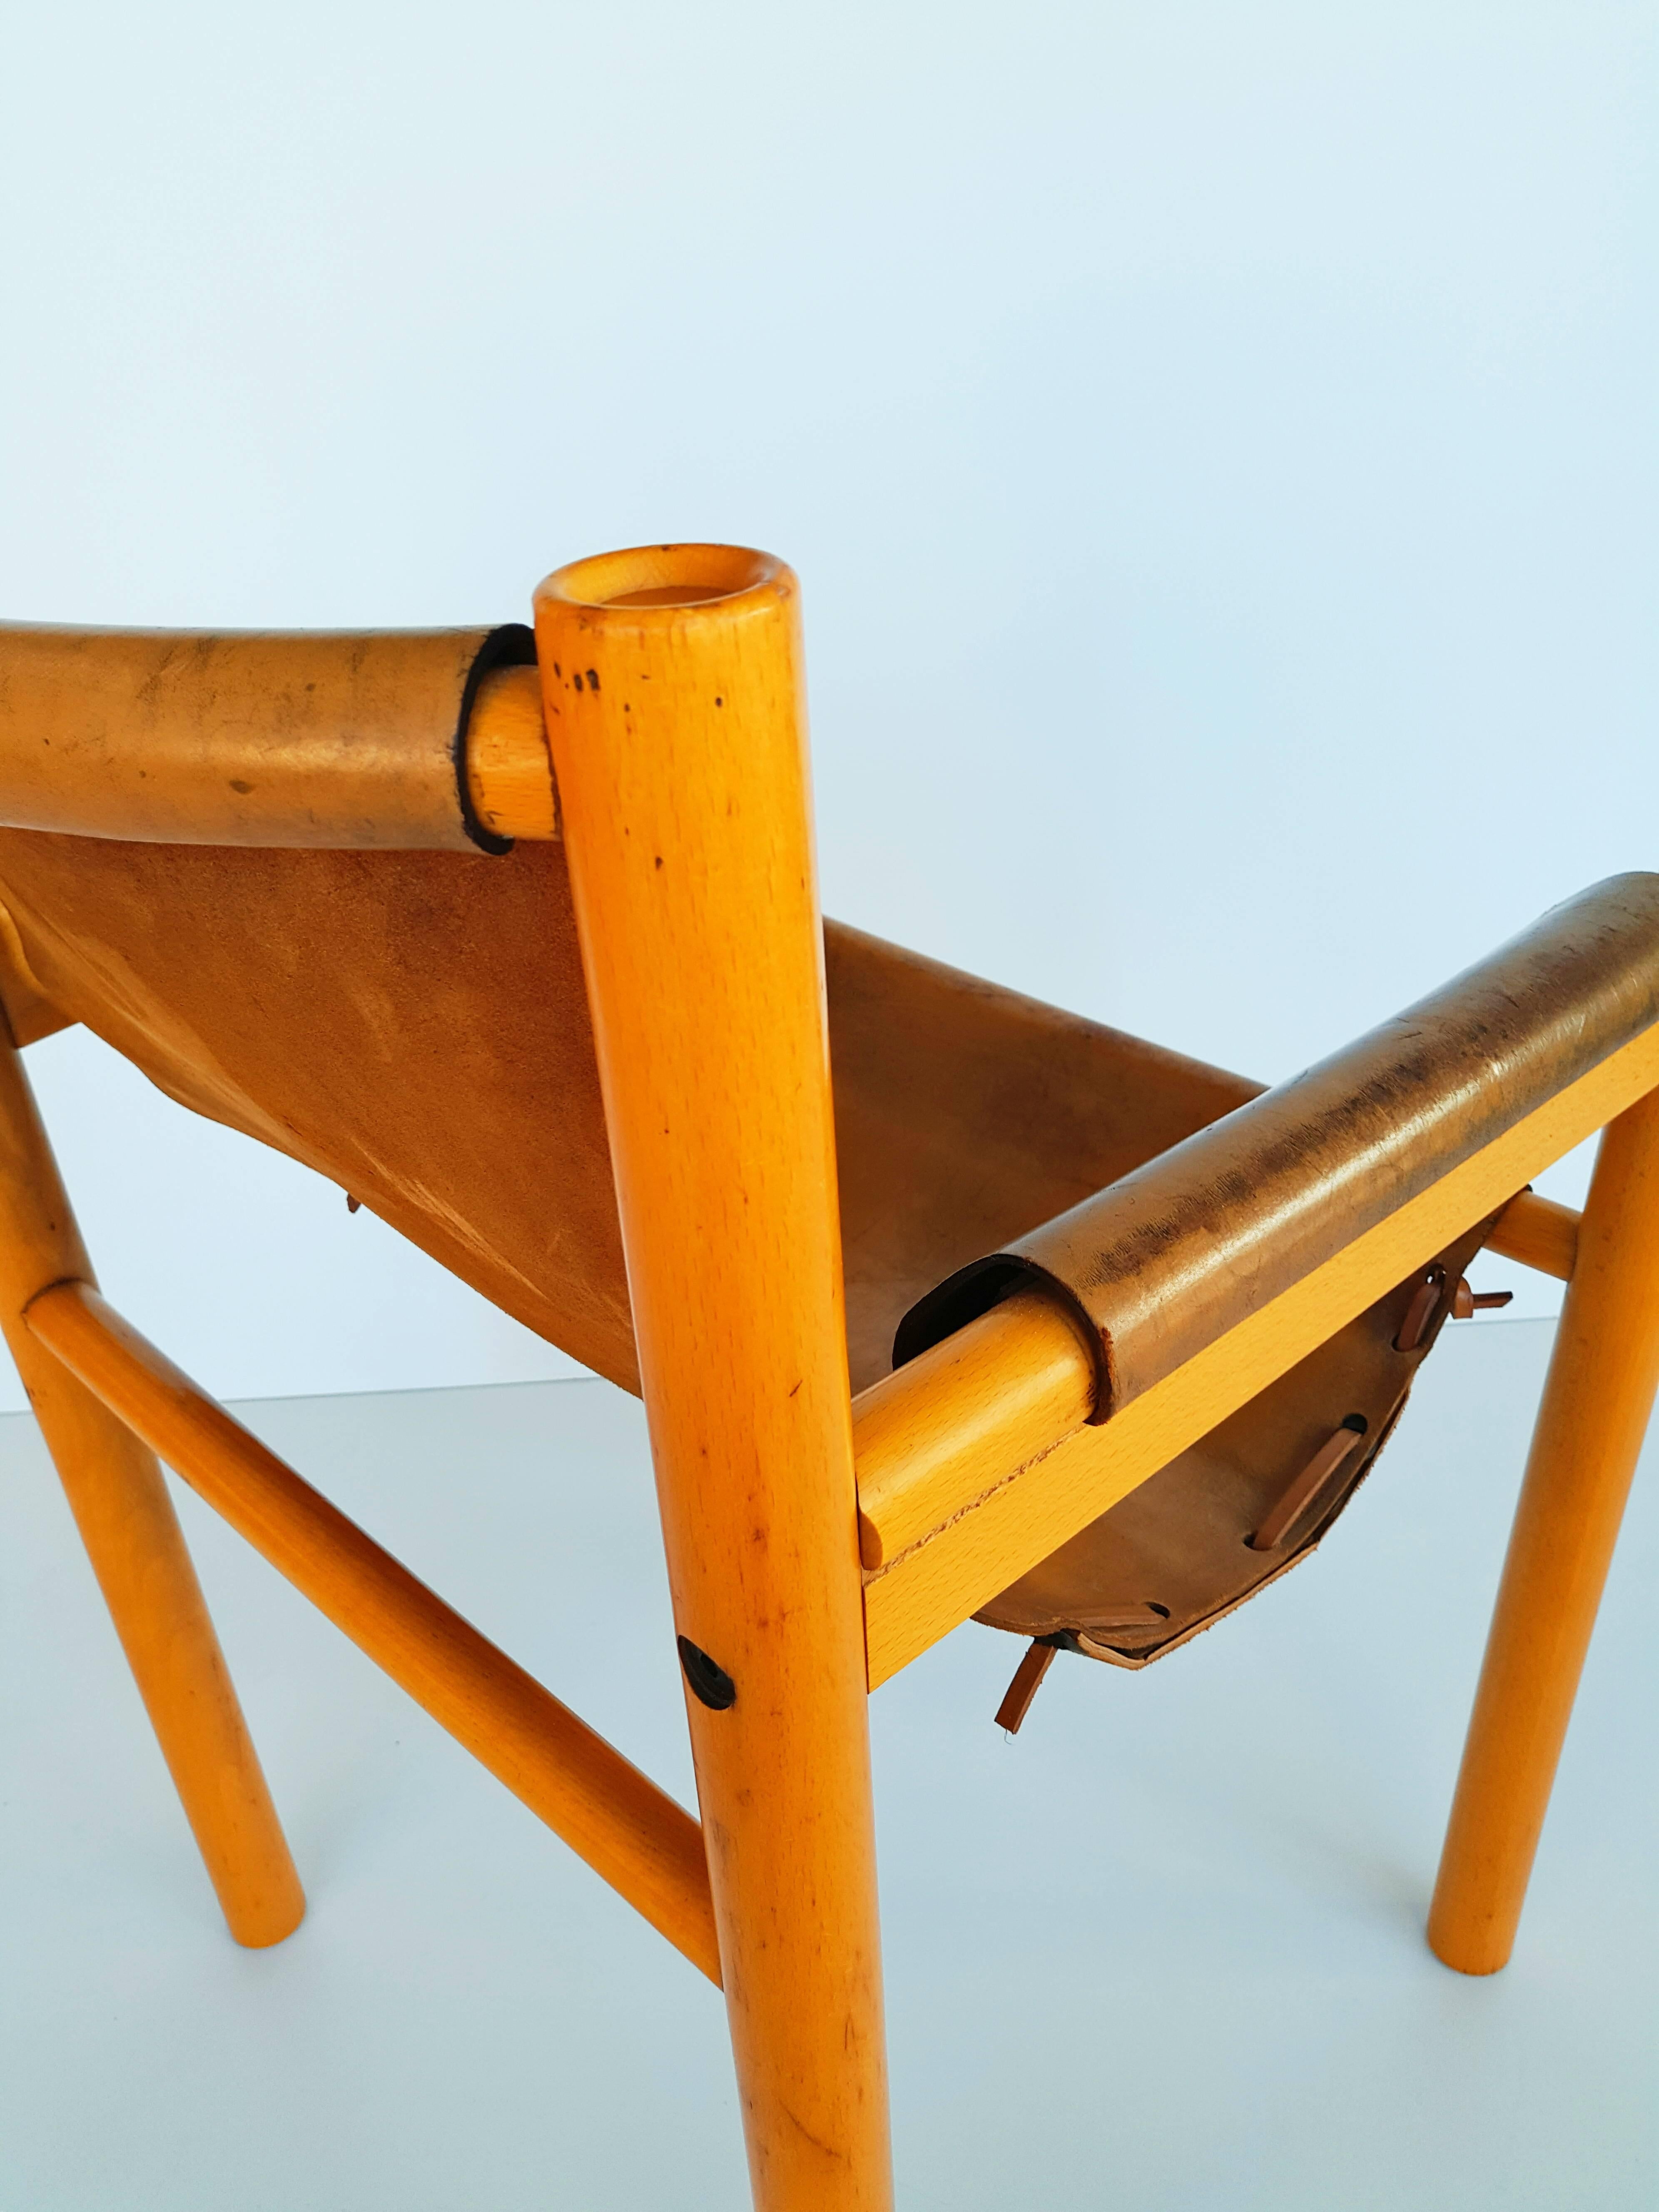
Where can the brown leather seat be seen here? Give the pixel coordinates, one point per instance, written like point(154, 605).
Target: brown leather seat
point(1194, 1541)
point(413, 1024)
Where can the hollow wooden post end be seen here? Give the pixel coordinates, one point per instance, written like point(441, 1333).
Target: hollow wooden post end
point(1597, 1398)
point(671, 679)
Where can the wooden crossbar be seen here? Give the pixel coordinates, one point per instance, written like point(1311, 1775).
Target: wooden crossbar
point(629, 1831)
point(509, 776)
point(1538, 1233)
point(1018, 1381)
point(974, 1461)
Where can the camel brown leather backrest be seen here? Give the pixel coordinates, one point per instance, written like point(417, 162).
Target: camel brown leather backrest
point(298, 919)
point(414, 1026)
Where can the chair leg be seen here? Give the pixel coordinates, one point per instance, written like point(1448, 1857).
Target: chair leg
point(680, 757)
point(125, 1516)
point(1596, 1401)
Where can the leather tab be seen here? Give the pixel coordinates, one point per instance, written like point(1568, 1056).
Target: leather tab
point(1243, 1505)
point(1028, 1680)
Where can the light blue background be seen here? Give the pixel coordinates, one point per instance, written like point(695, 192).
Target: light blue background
point(1216, 442)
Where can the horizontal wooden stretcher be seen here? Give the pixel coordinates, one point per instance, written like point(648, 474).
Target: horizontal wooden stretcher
point(514, 935)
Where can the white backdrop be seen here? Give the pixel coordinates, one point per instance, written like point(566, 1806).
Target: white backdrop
point(1217, 443)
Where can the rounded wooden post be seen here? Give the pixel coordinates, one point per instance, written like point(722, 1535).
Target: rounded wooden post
point(671, 679)
point(1597, 1398)
point(120, 1499)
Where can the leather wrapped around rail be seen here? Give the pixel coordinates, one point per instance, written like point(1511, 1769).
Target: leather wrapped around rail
point(1178, 1252)
point(329, 739)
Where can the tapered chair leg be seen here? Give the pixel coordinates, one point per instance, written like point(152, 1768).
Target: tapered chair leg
point(672, 687)
point(1597, 1398)
point(125, 1516)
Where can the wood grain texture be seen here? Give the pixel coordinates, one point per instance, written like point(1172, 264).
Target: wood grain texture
point(1539, 1233)
point(126, 1520)
point(927, 1438)
point(1010, 1512)
point(509, 770)
point(1597, 1399)
point(633, 1835)
point(673, 683)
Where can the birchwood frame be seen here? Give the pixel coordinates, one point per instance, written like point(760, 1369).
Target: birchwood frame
point(816, 1544)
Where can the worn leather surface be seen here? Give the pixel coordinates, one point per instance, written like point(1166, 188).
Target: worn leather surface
point(281, 739)
point(1173, 1557)
point(415, 1026)
point(959, 1104)
point(1186, 1246)
point(29, 1013)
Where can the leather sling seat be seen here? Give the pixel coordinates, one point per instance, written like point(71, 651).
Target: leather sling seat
point(413, 1024)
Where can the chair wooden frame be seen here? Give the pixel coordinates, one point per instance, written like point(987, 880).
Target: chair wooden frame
point(816, 1544)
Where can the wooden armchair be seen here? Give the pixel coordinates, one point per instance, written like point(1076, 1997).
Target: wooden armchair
point(516, 938)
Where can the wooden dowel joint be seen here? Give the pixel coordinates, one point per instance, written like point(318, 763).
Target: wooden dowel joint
point(509, 769)
point(1539, 1233)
